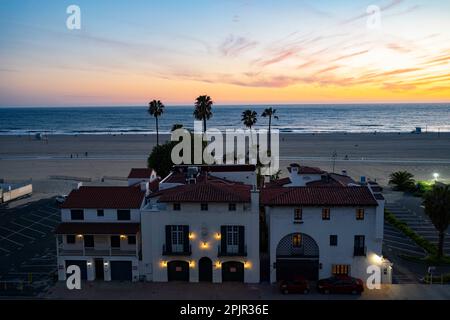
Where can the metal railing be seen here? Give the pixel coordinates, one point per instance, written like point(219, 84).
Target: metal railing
point(223, 252)
point(167, 252)
point(96, 252)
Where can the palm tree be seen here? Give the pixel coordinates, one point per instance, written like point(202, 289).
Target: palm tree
point(156, 109)
point(437, 207)
point(249, 120)
point(202, 110)
point(270, 112)
point(402, 180)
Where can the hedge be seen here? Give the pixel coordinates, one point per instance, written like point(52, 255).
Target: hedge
point(407, 231)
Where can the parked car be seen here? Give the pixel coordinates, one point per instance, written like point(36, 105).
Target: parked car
point(298, 285)
point(60, 199)
point(340, 284)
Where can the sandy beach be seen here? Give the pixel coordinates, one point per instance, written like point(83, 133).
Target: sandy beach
point(109, 157)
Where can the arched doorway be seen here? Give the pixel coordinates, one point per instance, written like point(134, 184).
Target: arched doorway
point(205, 270)
point(297, 255)
point(233, 271)
point(178, 271)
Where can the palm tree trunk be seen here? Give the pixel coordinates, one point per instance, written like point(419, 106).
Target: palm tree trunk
point(157, 132)
point(441, 244)
point(204, 124)
point(270, 140)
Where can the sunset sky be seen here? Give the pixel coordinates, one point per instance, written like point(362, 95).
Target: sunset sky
point(237, 51)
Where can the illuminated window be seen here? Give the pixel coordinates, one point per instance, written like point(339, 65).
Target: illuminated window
point(298, 214)
point(337, 269)
point(359, 214)
point(297, 240)
point(326, 214)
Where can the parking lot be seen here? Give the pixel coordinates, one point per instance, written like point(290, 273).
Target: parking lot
point(27, 246)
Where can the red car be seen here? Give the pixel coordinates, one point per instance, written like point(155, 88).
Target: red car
point(298, 285)
point(340, 284)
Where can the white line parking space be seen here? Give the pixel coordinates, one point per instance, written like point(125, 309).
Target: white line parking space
point(27, 244)
point(17, 232)
point(29, 228)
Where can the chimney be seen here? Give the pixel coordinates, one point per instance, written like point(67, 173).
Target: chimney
point(79, 185)
point(294, 167)
point(362, 180)
point(145, 187)
point(344, 172)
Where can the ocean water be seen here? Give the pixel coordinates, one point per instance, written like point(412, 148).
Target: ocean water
point(292, 119)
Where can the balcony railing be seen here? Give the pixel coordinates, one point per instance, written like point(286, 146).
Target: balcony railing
point(171, 252)
point(227, 253)
point(359, 251)
point(63, 251)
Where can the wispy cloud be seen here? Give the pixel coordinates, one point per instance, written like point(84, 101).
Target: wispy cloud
point(390, 5)
point(277, 57)
point(398, 47)
point(234, 45)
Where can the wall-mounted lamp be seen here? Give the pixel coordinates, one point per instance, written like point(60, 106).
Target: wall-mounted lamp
point(204, 245)
point(218, 264)
point(191, 235)
point(218, 236)
point(123, 237)
point(79, 236)
point(163, 263)
point(376, 259)
point(89, 263)
point(192, 263)
point(247, 265)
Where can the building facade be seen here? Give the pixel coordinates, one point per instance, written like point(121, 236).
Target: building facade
point(100, 232)
point(203, 226)
point(323, 224)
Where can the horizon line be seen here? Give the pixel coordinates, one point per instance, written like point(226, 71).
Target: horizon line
point(227, 104)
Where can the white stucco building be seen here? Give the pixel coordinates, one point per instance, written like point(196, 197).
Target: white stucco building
point(203, 225)
point(100, 229)
point(322, 224)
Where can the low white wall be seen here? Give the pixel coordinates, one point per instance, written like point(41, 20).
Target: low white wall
point(17, 193)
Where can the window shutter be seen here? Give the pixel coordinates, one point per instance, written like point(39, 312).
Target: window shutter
point(186, 238)
point(168, 238)
point(223, 238)
point(241, 239)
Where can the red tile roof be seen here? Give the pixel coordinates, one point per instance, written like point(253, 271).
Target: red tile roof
point(318, 196)
point(105, 198)
point(306, 170)
point(154, 185)
point(330, 180)
point(140, 173)
point(97, 228)
point(210, 191)
point(175, 177)
point(220, 167)
point(278, 183)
